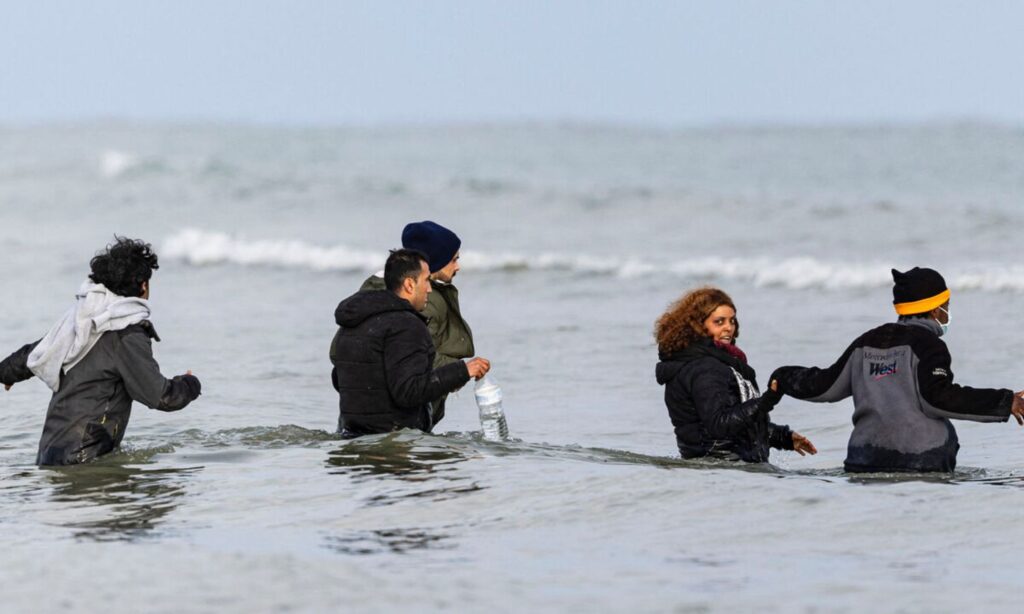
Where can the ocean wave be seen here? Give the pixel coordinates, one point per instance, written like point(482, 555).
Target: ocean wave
point(264, 437)
point(115, 164)
point(205, 248)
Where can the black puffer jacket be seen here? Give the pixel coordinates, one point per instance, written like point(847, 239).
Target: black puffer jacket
point(383, 357)
point(89, 413)
point(710, 412)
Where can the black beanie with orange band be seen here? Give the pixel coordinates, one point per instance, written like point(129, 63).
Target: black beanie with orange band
point(918, 291)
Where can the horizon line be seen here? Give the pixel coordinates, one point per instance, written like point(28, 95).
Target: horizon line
point(115, 121)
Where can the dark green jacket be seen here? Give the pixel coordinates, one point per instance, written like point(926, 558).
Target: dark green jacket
point(453, 339)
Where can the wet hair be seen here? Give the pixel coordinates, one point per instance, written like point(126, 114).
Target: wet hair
point(401, 265)
point(683, 322)
point(124, 266)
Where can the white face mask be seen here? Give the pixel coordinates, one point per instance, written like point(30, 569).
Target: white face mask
point(949, 319)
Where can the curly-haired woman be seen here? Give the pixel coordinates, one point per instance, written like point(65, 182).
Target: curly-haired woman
point(710, 390)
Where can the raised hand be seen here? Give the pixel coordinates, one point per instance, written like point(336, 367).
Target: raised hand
point(1017, 409)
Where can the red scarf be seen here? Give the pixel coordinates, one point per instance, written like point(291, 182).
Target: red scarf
point(733, 350)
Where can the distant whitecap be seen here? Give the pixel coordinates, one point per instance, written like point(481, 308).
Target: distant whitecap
point(205, 248)
point(115, 163)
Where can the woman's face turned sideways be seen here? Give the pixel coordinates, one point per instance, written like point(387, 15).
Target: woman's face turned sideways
point(721, 324)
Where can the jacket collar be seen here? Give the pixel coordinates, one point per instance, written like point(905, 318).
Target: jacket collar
point(705, 347)
point(925, 323)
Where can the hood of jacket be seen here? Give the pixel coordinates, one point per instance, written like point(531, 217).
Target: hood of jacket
point(357, 308)
point(925, 323)
point(671, 364)
point(96, 311)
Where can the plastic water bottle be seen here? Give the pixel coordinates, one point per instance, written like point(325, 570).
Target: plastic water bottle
point(492, 416)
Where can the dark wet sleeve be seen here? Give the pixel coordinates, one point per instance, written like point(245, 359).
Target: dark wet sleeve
point(713, 399)
point(441, 360)
point(333, 353)
point(780, 436)
point(14, 368)
point(411, 379)
point(143, 380)
point(941, 398)
point(817, 384)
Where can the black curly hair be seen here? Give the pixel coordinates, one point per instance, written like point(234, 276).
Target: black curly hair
point(124, 266)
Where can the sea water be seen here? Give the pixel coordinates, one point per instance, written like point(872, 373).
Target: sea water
point(575, 238)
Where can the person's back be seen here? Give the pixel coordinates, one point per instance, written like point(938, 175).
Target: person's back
point(451, 334)
point(901, 380)
point(900, 419)
point(97, 360)
point(88, 415)
point(377, 333)
point(893, 425)
point(383, 355)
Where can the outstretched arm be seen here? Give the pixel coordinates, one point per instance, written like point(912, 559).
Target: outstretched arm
point(816, 384)
point(14, 368)
point(722, 418)
point(941, 398)
point(143, 380)
point(780, 436)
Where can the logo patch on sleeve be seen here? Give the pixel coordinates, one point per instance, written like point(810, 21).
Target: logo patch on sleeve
point(939, 371)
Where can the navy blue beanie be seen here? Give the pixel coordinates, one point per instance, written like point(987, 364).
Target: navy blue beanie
point(437, 242)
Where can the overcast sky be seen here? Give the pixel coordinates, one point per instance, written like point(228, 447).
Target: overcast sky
point(636, 61)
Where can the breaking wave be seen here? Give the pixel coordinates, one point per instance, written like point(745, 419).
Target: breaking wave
point(115, 164)
point(205, 248)
point(202, 248)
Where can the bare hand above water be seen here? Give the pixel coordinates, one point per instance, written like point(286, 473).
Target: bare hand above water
point(803, 445)
point(478, 367)
point(1017, 409)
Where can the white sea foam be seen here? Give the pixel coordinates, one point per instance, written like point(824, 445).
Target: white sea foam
point(206, 248)
point(199, 247)
point(115, 163)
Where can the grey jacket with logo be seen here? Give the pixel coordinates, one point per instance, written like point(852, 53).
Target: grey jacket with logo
point(89, 412)
point(901, 381)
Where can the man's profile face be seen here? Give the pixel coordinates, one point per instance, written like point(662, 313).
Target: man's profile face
point(421, 288)
point(447, 274)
